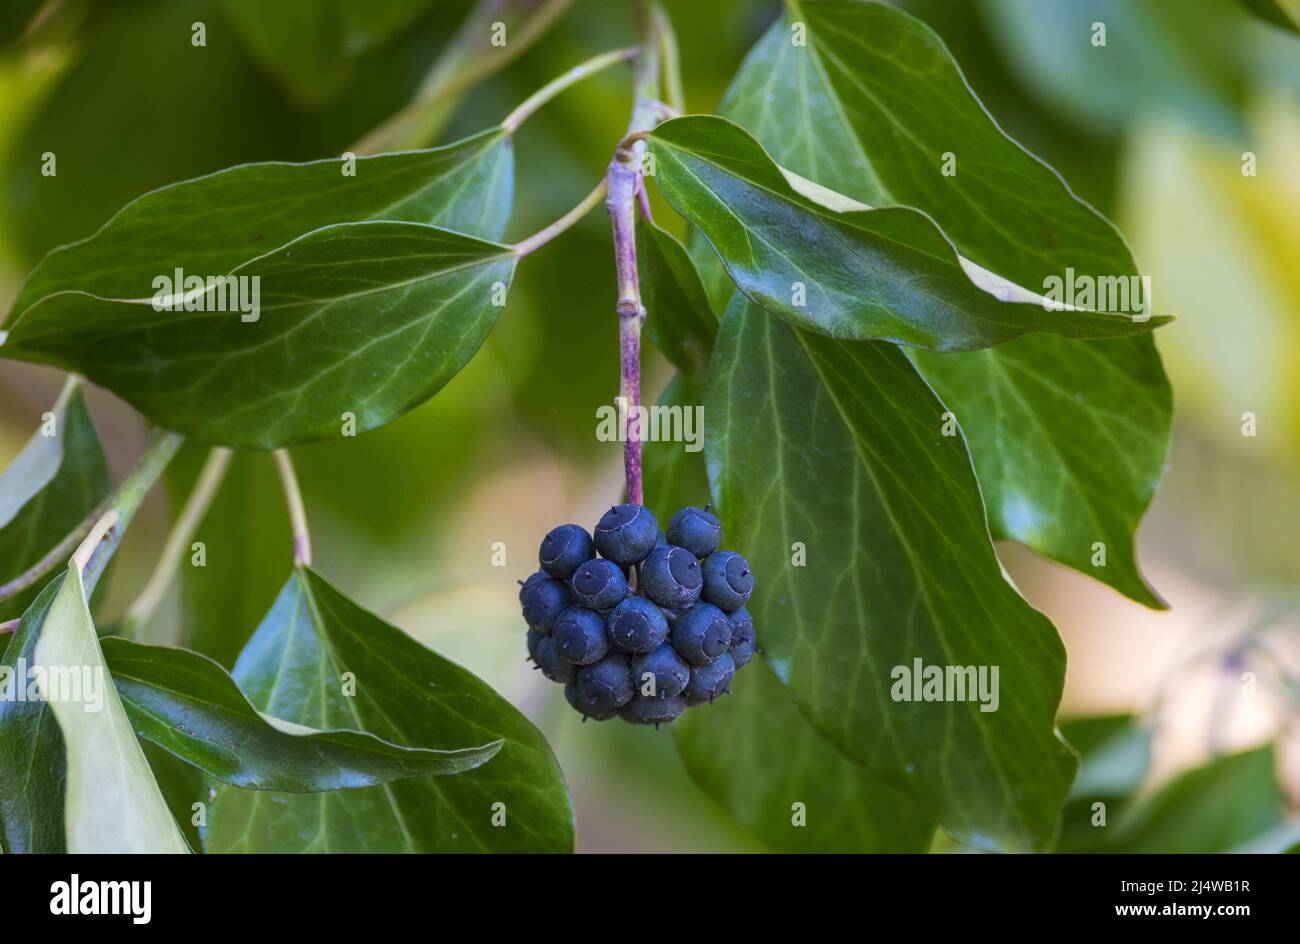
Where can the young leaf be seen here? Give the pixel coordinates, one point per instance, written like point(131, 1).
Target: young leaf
point(52, 485)
point(817, 450)
point(187, 704)
point(211, 225)
point(757, 756)
point(679, 320)
point(859, 274)
point(879, 139)
point(357, 319)
point(320, 659)
point(308, 46)
point(100, 784)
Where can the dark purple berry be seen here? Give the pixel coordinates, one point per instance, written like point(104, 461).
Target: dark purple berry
point(599, 584)
point(696, 529)
point(580, 636)
point(668, 670)
point(541, 598)
point(656, 711)
point(565, 549)
point(605, 685)
point(727, 580)
point(742, 637)
point(582, 704)
point(671, 577)
point(626, 534)
point(637, 625)
point(701, 634)
point(548, 659)
point(710, 681)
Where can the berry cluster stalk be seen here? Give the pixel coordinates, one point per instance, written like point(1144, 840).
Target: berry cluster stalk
point(626, 188)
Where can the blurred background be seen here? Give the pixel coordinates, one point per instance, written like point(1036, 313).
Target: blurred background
point(405, 518)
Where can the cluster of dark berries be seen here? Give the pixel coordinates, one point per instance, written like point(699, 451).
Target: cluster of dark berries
point(649, 653)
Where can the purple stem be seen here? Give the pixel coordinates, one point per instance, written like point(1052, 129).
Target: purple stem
point(624, 180)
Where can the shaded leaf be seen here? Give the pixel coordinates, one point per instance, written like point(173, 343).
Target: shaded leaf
point(679, 321)
point(860, 274)
point(1064, 459)
point(757, 756)
point(294, 669)
point(820, 443)
point(1114, 759)
point(367, 319)
point(308, 46)
point(188, 705)
point(674, 471)
point(1283, 13)
point(1218, 807)
point(50, 488)
point(33, 774)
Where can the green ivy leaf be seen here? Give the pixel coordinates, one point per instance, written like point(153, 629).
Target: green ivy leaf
point(187, 704)
point(860, 274)
point(818, 444)
point(100, 784)
point(211, 225)
point(1086, 454)
point(33, 774)
point(679, 320)
point(1114, 759)
point(294, 668)
point(755, 754)
point(368, 319)
point(50, 488)
point(1283, 13)
point(308, 46)
point(674, 471)
point(1225, 805)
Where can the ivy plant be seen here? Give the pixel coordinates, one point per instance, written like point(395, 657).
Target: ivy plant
point(909, 337)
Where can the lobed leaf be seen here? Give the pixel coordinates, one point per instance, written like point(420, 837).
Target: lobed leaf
point(755, 754)
point(1068, 437)
point(308, 46)
point(886, 274)
point(819, 444)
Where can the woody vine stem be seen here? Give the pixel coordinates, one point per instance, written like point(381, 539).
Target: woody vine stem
point(626, 188)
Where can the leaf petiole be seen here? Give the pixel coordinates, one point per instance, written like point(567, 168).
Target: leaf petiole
point(545, 235)
point(297, 512)
point(557, 85)
point(196, 506)
point(124, 503)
